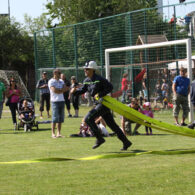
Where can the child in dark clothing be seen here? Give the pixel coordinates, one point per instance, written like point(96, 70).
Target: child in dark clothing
point(26, 110)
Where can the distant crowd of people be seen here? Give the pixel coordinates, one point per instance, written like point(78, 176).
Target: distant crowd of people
point(180, 88)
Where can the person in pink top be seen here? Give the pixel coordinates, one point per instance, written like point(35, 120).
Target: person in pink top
point(148, 112)
point(124, 86)
point(13, 93)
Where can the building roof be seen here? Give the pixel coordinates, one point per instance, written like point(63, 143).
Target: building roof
point(148, 39)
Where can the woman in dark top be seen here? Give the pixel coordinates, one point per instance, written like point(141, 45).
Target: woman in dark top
point(74, 97)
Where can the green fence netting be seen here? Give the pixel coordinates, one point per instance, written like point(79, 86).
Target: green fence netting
point(69, 47)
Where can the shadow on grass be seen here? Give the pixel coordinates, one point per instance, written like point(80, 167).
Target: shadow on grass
point(21, 131)
point(109, 155)
point(143, 134)
point(166, 152)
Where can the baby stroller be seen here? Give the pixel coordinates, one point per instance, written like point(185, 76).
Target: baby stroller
point(26, 114)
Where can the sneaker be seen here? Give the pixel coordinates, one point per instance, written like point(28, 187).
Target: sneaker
point(136, 133)
point(98, 143)
point(15, 126)
point(126, 146)
point(191, 126)
point(183, 124)
point(70, 115)
point(75, 116)
point(177, 124)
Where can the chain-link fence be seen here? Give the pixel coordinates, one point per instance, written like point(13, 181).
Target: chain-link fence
point(69, 47)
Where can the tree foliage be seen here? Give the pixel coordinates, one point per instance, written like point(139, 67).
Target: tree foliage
point(16, 48)
point(75, 11)
point(32, 25)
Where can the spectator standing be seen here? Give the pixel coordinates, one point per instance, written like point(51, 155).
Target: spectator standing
point(158, 92)
point(57, 88)
point(87, 96)
point(165, 89)
point(66, 94)
point(181, 89)
point(192, 97)
point(173, 19)
point(42, 85)
point(99, 87)
point(126, 123)
point(129, 93)
point(74, 97)
point(124, 84)
point(2, 97)
point(187, 19)
point(13, 93)
point(144, 87)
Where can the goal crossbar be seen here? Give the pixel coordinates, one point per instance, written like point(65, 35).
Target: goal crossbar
point(186, 42)
point(146, 63)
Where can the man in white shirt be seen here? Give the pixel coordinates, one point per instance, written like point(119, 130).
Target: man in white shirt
point(57, 88)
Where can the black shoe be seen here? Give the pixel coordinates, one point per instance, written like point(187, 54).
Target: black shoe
point(183, 124)
point(191, 126)
point(70, 115)
point(136, 133)
point(98, 143)
point(126, 145)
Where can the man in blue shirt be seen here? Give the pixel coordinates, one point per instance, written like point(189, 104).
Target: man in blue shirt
point(187, 19)
point(181, 89)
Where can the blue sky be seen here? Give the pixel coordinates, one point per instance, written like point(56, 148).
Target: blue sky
point(18, 8)
point(35, 8)
point(181, 11)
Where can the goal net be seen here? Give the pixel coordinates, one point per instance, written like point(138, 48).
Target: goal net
point(6, 75)
point(148, 67)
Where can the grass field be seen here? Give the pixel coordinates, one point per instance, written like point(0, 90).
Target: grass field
point(142, 174)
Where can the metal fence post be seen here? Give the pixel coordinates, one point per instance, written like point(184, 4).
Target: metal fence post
point(53, 48)
point(146, 54)
point(131, 54)
point(175, 38)
point(75, 50)
point(101, 49)
point(36, 65)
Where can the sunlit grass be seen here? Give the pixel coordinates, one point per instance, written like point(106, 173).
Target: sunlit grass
point(144, 174)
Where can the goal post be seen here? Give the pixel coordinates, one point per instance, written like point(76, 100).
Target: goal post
point(186, 42)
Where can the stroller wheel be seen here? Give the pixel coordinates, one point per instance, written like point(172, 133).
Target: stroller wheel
point(29, 128)
point(25, 127)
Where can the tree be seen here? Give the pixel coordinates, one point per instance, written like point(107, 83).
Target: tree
point(75, 11)
point(32, 25)
point(16, 48)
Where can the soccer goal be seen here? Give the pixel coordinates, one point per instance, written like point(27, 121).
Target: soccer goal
point(160, 61)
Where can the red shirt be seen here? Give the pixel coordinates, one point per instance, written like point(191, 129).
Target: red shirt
point(124, 84)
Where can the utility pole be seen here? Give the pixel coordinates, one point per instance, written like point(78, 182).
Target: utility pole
point(9, 9)
point(168, 10)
